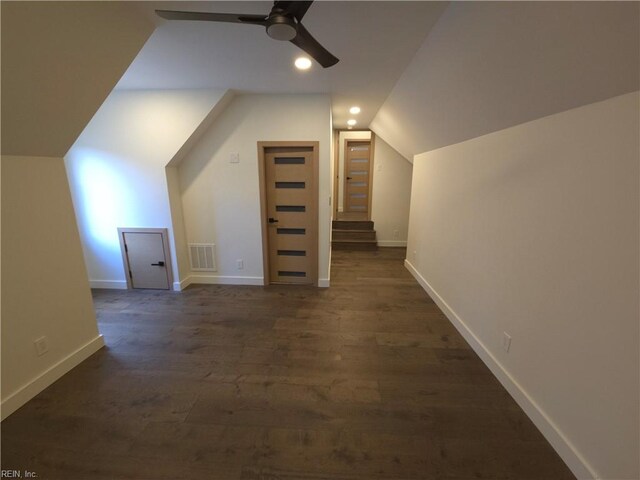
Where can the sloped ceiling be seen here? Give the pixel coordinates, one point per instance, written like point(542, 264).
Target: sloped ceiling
point(60, 60)
point(374, 40)
point(487, 66)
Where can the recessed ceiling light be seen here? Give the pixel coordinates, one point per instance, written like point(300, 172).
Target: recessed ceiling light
point(303, 63)
point(354, 110)
point(351, 122)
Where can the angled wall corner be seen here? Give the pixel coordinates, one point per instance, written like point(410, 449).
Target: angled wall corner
point(221, 199)
point(391, 195)
point(487, 66)
point(117, 170)
point(60, 60)
point(183, 268)
point(523, 121)
point(218, 107)
point(534, 231)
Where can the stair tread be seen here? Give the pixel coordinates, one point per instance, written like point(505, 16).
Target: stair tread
point(352, 221)
point(358, 231)
point(354, 245)
point(353, 240)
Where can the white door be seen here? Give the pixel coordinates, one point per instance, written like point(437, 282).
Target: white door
point(146, 260)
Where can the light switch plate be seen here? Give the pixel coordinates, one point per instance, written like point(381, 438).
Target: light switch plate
point(234, 158)
point(42, 346)
point(506, 342)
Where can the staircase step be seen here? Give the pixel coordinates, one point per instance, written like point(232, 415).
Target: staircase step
point(354, 235)
point(352, 225)
point(354, 245)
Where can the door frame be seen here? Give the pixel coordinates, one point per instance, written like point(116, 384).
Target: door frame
point(336, 174)
point(164, 233)
point(372, 142)
point(263, 146)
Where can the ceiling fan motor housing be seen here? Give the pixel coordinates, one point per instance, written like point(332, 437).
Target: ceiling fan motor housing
point(281, 27)
point(282, 23)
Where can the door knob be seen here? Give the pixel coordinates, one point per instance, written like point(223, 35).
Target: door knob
point(348, 178)
point(159, 264)
point(272, 220)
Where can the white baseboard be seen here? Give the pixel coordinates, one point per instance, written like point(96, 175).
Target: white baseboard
point(392, 243)
point(224, 280)
point(181, 285)
point(567, 451)
point(113, 284)
point(25, 393)
point(227, 280)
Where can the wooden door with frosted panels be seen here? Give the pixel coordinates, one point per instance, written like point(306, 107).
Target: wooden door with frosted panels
point(291, 216)
point(358, 177)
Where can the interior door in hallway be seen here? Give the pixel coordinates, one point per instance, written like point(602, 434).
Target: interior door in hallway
point(357, 175)
point(290, 180)
point(146, 258)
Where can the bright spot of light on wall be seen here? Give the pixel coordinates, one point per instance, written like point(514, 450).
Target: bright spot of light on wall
point(102, 196)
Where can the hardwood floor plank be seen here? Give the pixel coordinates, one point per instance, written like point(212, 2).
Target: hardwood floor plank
point(364, 380)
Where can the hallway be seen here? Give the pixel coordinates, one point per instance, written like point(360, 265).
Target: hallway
point(364, 380)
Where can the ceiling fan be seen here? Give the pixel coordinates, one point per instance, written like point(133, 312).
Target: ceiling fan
point(282, 23)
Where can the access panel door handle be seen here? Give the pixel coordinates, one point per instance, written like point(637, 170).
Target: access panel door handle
point(159, 264)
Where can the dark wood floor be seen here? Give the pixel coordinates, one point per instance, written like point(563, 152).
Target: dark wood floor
point(364, 380)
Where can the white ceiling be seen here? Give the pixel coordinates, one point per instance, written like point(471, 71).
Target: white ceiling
point(374, 41)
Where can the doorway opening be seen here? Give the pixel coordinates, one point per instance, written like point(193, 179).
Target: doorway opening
point(289, 211)
point(353, 181)
point(352, 227)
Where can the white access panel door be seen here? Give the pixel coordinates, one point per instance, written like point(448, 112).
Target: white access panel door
point(146, 260)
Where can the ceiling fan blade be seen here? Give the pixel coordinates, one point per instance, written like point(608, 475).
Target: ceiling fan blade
point(213, 17)
point(306, 42)
point(297, 9)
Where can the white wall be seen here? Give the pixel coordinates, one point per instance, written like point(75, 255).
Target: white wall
point(391, 195)
point(534, 230)
point(221, 200)
point(486, 66)
point(117, 170)
point(44, 289)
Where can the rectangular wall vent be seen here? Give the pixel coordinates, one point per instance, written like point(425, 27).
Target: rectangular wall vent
point(202, 257)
